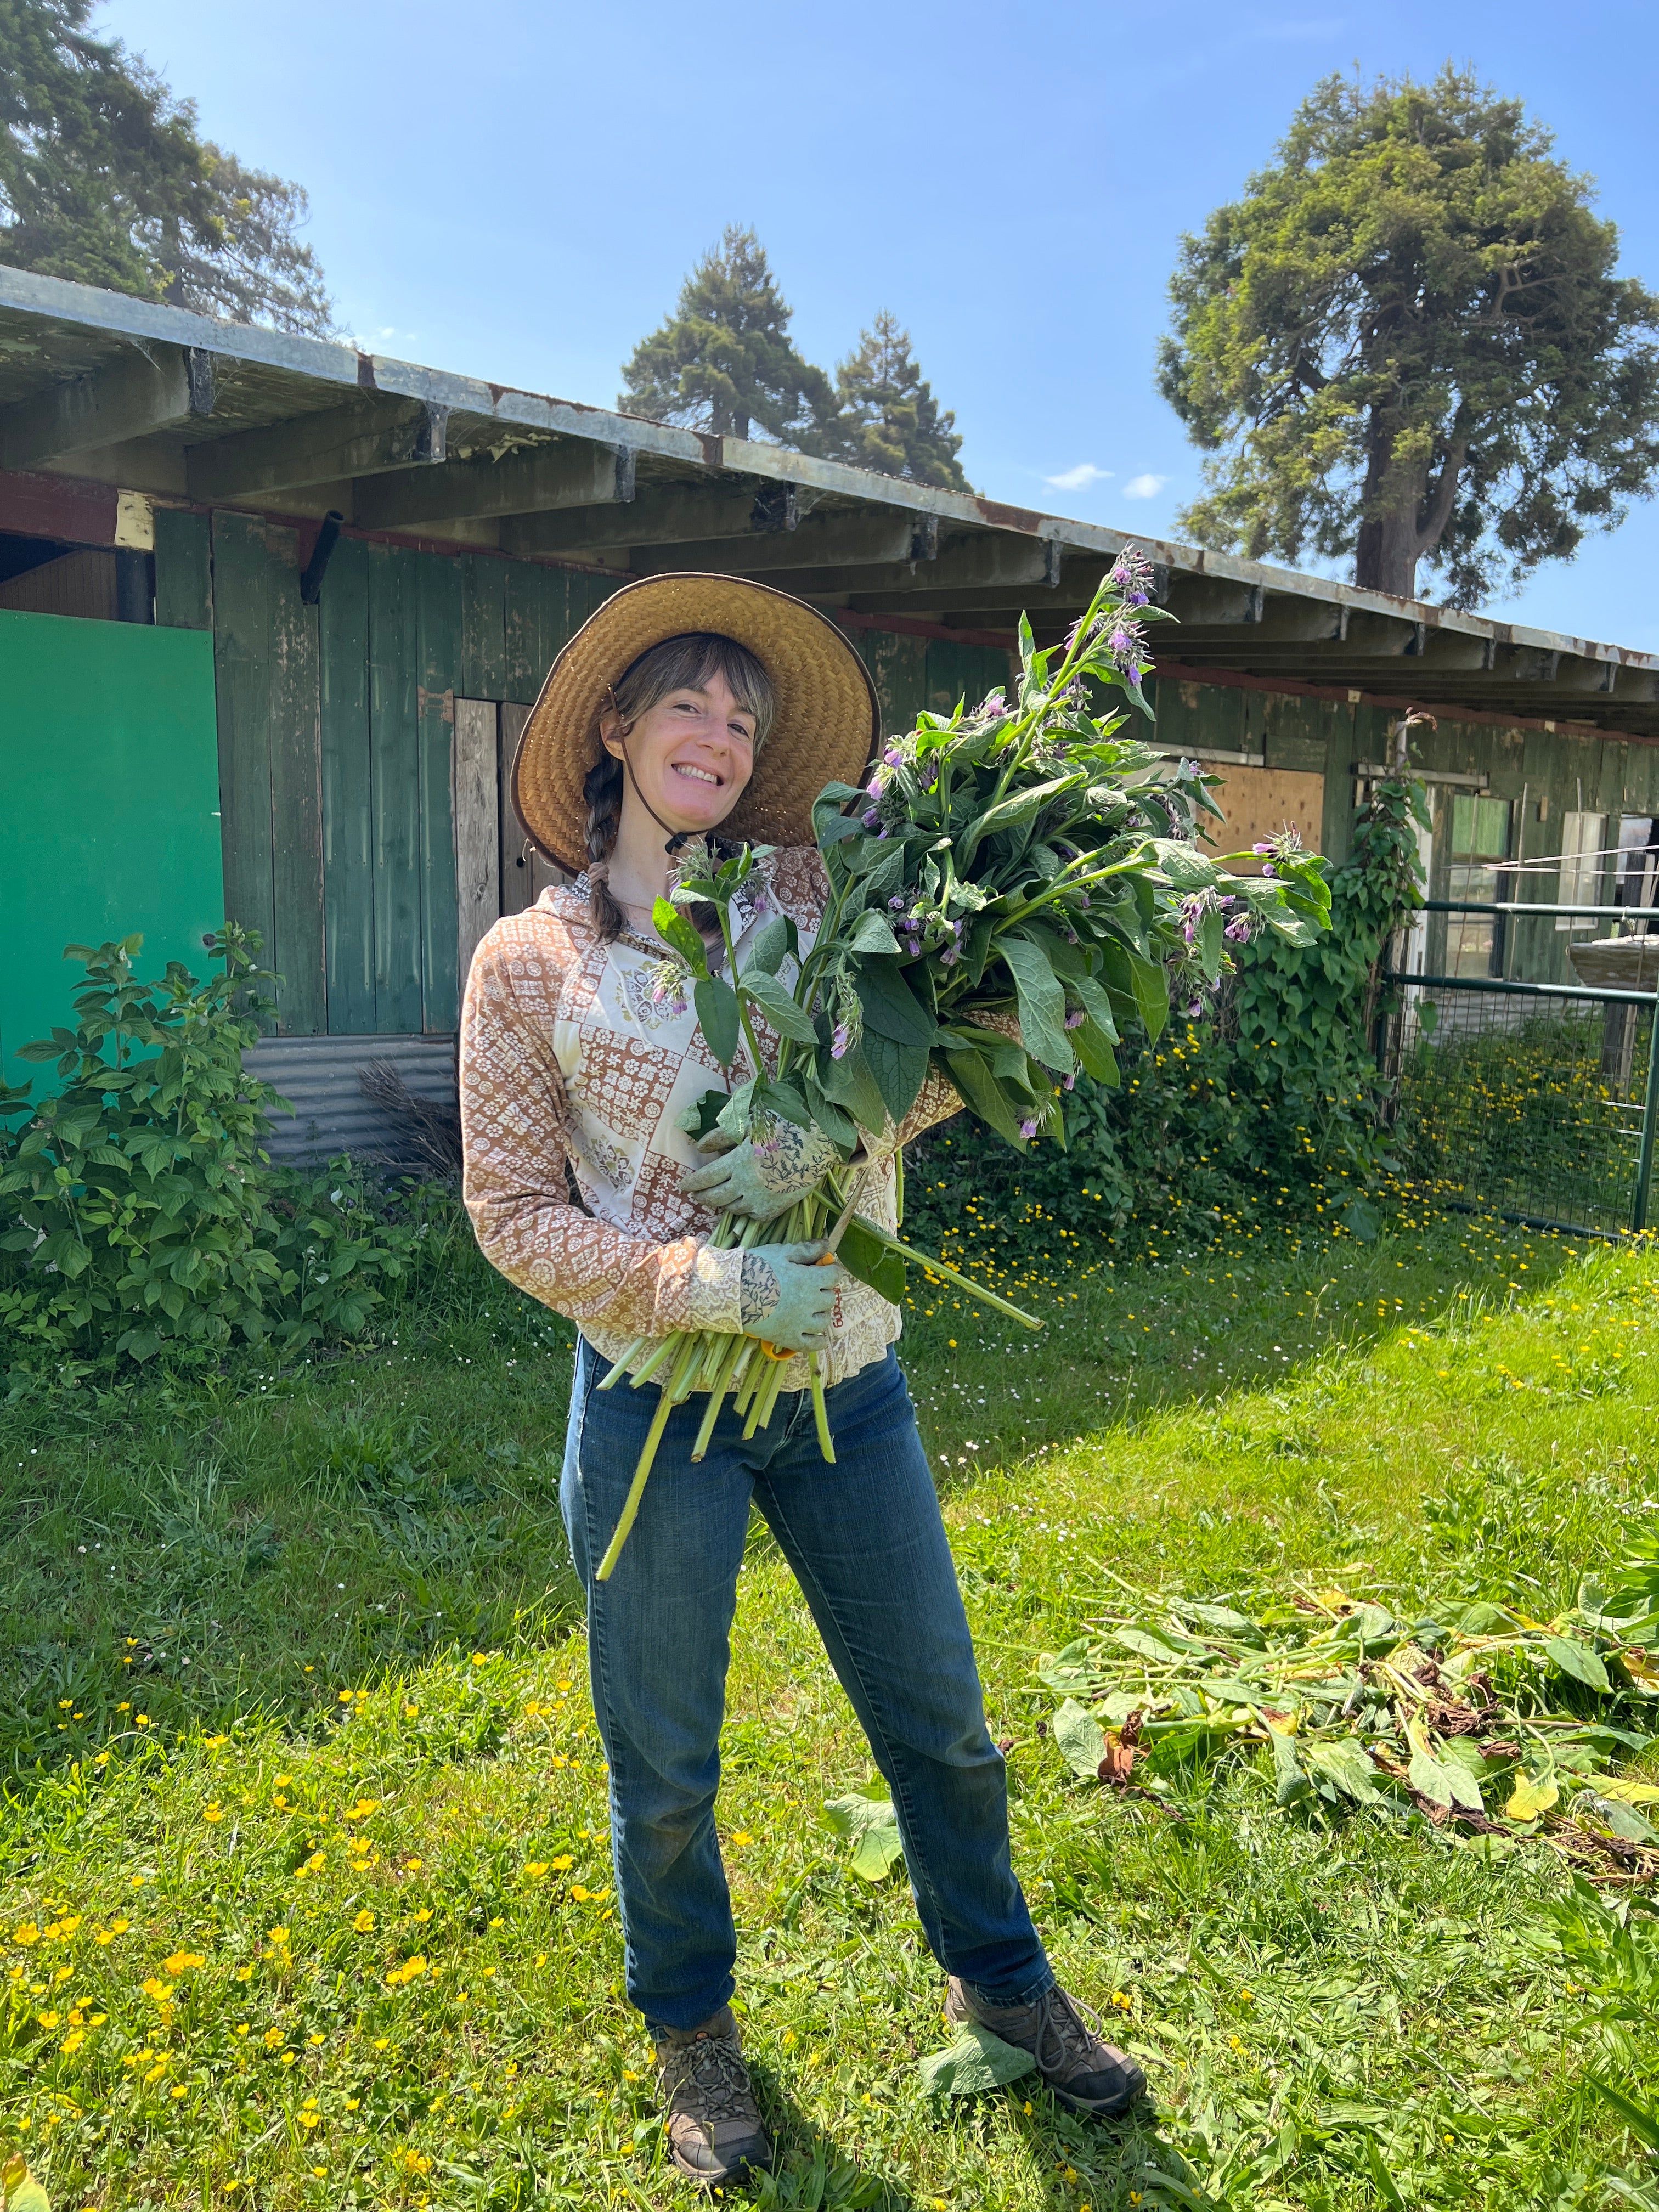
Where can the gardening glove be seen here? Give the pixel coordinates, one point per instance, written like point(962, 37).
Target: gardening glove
point(767, 1173)
point(787, 1298)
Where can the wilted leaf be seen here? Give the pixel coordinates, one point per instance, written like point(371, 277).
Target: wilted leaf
point(975, 2061)
point(1533, 1794)
point(1346, 1764)
point(870, 1825)
point(1081, 1740)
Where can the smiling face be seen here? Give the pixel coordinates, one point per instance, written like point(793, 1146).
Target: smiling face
point(691, 754)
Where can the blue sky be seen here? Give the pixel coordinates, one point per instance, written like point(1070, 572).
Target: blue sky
point(516, 190)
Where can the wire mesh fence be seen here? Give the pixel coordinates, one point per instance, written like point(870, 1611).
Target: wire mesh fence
point(1526, 1100)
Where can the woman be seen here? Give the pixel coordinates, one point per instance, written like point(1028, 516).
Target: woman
point(688, 705)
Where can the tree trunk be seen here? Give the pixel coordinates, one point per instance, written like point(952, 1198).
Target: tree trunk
point(1386, 550)
point(1403, 518)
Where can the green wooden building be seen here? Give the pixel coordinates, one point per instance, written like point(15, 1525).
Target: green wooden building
point(218, 701)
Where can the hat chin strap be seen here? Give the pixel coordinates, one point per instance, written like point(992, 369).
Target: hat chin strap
point(676, 837)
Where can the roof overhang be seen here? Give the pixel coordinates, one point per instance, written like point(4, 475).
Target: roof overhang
point(102, 395)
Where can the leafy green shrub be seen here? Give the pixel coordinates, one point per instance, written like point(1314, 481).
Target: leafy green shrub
point(1274, 1101)
point(138, 1212)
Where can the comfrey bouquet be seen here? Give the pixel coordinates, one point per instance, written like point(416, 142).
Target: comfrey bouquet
point(1013, 884)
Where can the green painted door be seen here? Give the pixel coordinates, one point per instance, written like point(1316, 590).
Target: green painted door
point(109, 807)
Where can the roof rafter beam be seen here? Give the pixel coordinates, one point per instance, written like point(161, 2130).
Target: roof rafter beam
point(147, 388)
point(572, 473)
point(831, 541)
point(361, 439)
point(659, 514)
point(967, 563)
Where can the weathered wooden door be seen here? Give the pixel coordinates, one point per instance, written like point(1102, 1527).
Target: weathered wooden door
point(496, 872)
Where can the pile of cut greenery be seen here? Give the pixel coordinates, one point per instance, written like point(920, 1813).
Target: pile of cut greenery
point(1474, 1715)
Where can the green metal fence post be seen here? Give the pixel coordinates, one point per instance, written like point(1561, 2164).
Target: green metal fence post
point(1638, 1211)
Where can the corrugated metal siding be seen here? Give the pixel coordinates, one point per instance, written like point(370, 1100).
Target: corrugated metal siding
point(319, 1076)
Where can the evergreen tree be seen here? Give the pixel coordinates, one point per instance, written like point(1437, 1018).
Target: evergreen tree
point(105, 180)
point(1407, 342)
point(724, 362)
point(889, 419)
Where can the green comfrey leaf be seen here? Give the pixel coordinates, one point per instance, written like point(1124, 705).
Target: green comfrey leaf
point(679, 933)
point(839, 1127)
point(717, 1013)
point(982, 1095)
point(871, 934)
point(874, 1263)
point(900, 1070)
point(975, 2061)
point(850, 1082)
point(868, 1822)
point(775, 941)
point(786, 1018)
point(1095, 1054)
point(1042, 1003)
point(890, 1007)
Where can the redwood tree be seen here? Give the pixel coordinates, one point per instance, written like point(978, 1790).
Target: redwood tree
point(1408, 343)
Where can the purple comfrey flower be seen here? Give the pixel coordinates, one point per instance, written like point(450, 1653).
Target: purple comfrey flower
point(1076, 1018)
point(1240, 930)
point(842, 1042)
point(1127, 646)
point(1131, 577)
point(1196, 1007)
point(1028, 1128)
point(993, 702)
point(950, 956)
point(1068, 1083)
point(873, 820)
point(892, 756)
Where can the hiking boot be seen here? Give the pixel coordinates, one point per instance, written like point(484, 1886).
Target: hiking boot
point(714, 2128)
point(1083, 2071)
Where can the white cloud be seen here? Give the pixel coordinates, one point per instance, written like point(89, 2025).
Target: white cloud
point(1080, 478)
point(1147, 487)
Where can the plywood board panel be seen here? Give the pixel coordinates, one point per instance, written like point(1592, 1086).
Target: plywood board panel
point(348, 791)
point(1258, 803)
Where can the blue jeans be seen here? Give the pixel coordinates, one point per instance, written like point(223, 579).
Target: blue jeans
point(868, 1548)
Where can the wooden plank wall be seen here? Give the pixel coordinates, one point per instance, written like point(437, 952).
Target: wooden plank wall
point(337, 734)
point(337, 737)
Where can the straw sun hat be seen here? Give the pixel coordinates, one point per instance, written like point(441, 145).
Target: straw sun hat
point(824, 731)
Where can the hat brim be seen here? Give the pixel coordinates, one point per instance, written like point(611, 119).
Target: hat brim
point(825, 724)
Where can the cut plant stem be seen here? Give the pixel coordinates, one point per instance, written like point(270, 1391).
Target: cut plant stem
point(820, 1410)
point(671, 1397)
point(944, 1271)
point(637, 1489)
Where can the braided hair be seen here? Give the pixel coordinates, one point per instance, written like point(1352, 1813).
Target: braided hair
point(603, 790)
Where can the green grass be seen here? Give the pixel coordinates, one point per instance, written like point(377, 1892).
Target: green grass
point(338, 1598)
